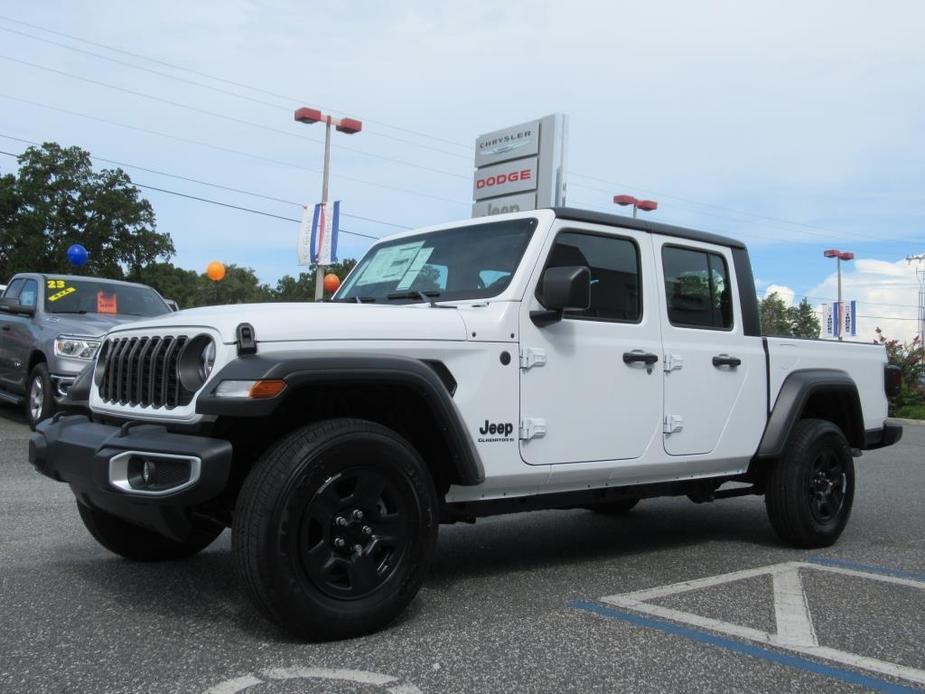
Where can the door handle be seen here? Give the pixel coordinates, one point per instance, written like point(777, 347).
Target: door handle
point(5, 327)
point(725, 360)
point(638, 355)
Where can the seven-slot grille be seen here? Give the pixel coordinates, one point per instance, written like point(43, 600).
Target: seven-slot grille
point(143, 371)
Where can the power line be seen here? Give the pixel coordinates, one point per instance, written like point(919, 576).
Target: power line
point(221, 148)
point(225, 204)
point(214, 77)
point(211, 185)
point(209, 87)
point(224, 116)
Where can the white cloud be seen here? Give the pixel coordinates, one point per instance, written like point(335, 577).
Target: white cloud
point(886, 292)
point(783, 291)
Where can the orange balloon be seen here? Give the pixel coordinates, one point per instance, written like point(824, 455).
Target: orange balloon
point(331, 283)
point(215, 271)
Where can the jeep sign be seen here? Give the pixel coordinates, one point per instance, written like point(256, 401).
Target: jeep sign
point(521, 167)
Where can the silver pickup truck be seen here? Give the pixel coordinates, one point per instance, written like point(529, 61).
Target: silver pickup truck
point(51, 327)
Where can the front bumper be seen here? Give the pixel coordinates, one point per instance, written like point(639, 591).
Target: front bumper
point(94, 460)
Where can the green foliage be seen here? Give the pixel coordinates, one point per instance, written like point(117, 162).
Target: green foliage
point(240, 285)
point(781, 320)
point(910, 358)
point(57, 199)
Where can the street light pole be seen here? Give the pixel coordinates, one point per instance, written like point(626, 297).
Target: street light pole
point(348, 126)
point(644, 205)
point(839, 256)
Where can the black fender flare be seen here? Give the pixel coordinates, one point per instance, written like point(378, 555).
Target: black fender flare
point(431, 380)
point(795, 393)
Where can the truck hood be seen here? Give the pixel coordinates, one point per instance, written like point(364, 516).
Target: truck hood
point(87, 325)
point(320, 321)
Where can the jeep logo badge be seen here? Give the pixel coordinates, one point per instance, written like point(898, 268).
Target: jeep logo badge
point(496, 431)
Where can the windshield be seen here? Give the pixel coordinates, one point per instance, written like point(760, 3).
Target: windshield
point(94, 296)
point(473, 262)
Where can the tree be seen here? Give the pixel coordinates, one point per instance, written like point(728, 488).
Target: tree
point(803, 320)
point(910, 358)
point(781, 320)
point(775, 316)
point(57, 200)
point(302, 288)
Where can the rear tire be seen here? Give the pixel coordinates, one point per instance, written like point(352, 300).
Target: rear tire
point(40, 401)
point(810, 490)
point(335, 528)
point(615, 508)
point(140, 544)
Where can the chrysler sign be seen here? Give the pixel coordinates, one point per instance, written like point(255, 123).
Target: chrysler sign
point(521, 167)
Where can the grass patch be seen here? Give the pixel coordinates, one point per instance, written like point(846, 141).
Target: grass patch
point(910, 411)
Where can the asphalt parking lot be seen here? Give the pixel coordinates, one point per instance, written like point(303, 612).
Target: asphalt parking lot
point(673, 597)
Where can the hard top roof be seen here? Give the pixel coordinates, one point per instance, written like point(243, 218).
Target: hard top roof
point(579, 215)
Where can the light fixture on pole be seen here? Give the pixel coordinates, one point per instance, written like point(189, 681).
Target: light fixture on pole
point(839, 256)
point(644, 205)
point(348, 126)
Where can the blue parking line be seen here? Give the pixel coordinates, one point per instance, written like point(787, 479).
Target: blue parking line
point(705, 637)
point(869, 568)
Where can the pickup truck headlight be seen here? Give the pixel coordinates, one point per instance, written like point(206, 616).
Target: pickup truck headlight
point(76, 347)
point(196, 362)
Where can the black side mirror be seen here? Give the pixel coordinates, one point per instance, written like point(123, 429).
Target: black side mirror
point(11, 305)
point(564, 289)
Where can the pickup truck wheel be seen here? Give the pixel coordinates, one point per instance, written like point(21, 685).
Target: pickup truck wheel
point(335, 528)
point(40, 401)
point(810, 490)
point(615, 508)
point(140, 544)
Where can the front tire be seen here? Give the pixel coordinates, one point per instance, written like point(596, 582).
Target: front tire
point(810, 490)
point(140, 544)
point(335, 528)
point(40, 401)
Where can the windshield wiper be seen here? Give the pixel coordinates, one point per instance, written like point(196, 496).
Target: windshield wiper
point(426, 297)
point(81, 312)
point(356, 300)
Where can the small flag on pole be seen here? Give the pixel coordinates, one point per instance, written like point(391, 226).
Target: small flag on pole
point(305, 229)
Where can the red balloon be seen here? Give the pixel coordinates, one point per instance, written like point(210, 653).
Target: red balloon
point(331, 283)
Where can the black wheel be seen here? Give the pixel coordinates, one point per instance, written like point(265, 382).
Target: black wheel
point(335, 528)
point(615, 508)
point(140, 544)
point(40, 401)
point(810, 490)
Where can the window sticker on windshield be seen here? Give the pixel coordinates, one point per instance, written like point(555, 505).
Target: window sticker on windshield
point(390, 264)
point(106, 303)
point(65, 290)
point(411, 274)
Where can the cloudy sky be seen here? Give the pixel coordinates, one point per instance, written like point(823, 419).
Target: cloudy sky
point(795, 126)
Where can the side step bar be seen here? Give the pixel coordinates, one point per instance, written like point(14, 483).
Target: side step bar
point(11, 398)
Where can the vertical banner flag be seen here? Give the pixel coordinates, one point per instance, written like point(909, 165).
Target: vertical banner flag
point(318, 234)
point(302, 246)
point(325, 224)
point(840, 320)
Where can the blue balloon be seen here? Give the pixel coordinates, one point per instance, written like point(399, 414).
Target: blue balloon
point(77, 255)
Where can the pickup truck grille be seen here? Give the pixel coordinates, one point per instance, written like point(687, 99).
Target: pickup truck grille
point(143, 371)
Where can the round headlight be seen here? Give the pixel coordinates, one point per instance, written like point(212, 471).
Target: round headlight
point(196, 362)
point(206, 361)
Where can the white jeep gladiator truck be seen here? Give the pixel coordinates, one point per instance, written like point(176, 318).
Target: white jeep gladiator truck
point(551, 359)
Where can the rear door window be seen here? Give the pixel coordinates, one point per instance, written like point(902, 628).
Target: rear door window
point(697, 289)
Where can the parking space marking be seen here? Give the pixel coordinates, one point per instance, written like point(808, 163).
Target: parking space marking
point(794, 622)
point(389, 683)
point(747, 649)
point(868, 568)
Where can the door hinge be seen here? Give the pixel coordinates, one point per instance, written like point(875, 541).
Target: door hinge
point(531, 356)
point(673, 362)
point(532, 429)
point(673, 423)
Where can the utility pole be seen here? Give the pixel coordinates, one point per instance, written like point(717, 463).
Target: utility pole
point(919, 261)
point(348, 126)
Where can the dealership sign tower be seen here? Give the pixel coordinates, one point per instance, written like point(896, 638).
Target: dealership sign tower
point(521, 167)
